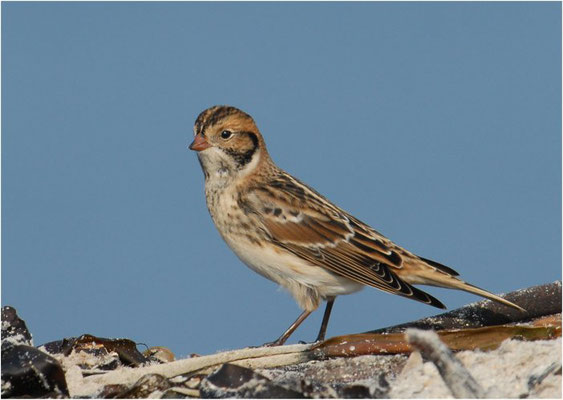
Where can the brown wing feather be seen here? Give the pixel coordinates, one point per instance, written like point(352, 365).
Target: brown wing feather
point(301, 221)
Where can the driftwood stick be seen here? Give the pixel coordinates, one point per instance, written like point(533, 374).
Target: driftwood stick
point(455, 375)
point(261, 356)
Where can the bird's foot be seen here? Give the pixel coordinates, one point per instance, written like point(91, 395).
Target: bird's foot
point(317, 340)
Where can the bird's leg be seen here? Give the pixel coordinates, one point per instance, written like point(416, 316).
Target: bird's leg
point(326, 316)
point(281, 340)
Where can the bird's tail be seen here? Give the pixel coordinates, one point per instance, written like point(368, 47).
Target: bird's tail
point(446, 277)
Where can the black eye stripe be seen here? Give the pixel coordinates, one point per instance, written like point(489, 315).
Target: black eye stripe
point(252, 137)
point(243, 158)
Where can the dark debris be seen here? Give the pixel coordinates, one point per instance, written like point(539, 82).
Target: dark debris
point(233, 381)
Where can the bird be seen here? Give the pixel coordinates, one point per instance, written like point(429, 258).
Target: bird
point(292, 235)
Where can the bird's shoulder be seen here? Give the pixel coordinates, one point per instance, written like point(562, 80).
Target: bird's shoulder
point(292, 211)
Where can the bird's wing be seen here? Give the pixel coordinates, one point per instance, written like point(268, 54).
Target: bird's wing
point(300, 220)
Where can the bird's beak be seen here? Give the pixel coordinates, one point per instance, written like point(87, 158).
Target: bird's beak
point(199, 143)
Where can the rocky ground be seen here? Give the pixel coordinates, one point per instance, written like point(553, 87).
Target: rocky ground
point(479, 351)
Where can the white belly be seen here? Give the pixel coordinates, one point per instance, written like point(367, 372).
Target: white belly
point(307, 283)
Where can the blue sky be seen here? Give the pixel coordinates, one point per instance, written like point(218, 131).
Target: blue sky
point(438, 124)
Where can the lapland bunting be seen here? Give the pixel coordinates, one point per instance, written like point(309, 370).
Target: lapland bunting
point(289, 233)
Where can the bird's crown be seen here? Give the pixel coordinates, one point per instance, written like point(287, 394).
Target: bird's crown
point(221, 114)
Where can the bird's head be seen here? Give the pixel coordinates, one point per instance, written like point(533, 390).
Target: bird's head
point(228, 142)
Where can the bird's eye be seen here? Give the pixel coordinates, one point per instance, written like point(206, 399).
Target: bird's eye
point(226, 134)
